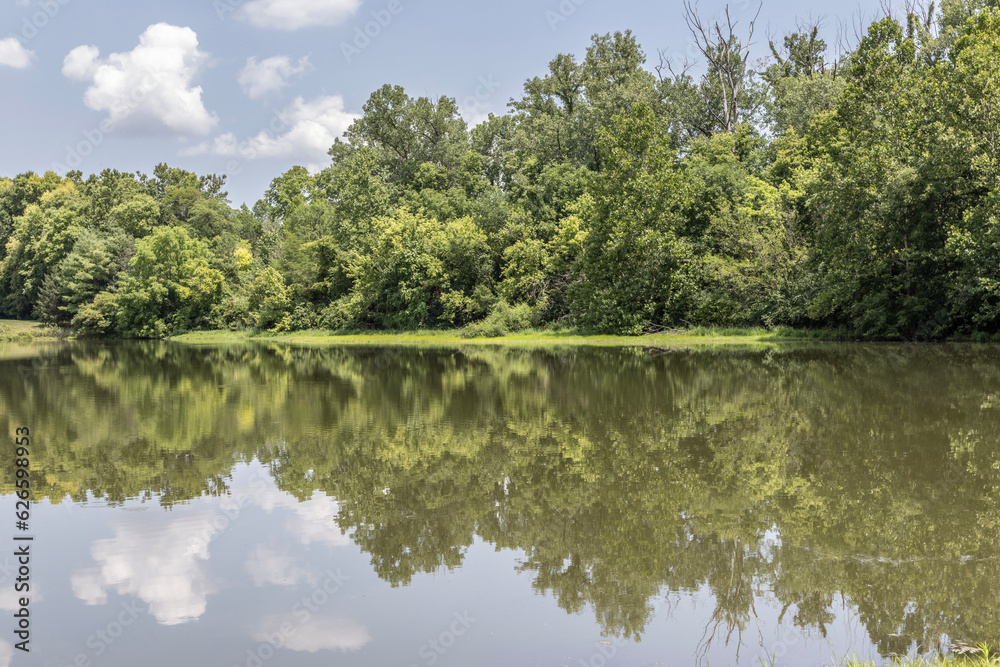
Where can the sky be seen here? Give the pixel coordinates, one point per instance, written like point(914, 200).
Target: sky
point(250, 88)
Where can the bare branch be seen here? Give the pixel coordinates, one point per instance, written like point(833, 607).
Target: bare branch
point(666, 65)
point(727, 57)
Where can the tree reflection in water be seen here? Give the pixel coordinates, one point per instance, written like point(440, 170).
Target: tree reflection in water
point(809, 474)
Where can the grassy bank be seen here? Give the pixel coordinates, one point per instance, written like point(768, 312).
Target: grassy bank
point(700, 336)
point(969, 657)
point(31, 331)
point(667, 338)
point(28, 331)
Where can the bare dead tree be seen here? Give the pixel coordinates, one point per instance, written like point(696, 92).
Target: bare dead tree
point(666, 70)
point(727, 58)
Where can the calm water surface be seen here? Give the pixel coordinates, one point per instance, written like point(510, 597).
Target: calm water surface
point(272, 505)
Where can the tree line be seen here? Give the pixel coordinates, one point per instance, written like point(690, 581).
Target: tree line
point(856, 192)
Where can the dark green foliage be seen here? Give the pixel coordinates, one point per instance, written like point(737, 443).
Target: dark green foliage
point(636, 264)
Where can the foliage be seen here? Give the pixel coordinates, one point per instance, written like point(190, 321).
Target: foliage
point(502, 319)
point(171, 286)
point(635, 262)
point(857, 193)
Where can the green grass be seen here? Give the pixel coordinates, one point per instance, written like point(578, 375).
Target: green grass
point(982, 659)
point(538, 337)
point(456, 337)
point(971, 656)
point(28, 331)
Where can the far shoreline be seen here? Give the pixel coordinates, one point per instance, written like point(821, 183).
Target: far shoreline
point(28, 331)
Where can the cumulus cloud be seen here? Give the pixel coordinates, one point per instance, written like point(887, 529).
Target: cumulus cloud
point(149, 87)
point(159, 562)
point(81, 63)
point(302, 131)
point(296, 14)
point(13, 54)
point(269, 75)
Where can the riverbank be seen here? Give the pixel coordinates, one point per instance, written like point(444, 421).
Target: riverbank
point(701, 336)
point(28, 331)
point(33, 331)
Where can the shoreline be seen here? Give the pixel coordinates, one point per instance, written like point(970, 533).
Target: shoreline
point(28, 331)
point(454, 338)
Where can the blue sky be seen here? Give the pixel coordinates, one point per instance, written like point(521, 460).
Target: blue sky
point(250, 88)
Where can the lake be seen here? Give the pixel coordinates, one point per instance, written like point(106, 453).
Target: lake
point(266, 504)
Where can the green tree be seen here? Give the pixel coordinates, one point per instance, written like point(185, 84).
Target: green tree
point(41, 238)
point(560, 115)
point(91, 267)
point(269, 301)
point(406, 133)
point(170, 287)
point(880, 232)
point(636, 265)
point(418, 272)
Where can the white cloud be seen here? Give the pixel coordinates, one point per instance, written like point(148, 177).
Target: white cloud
point(269, 75)
point(302, 131)
point(149, 87)
point(81, 63)
point(162, 559)
point(13, 54)
point(159, 562)
point(296, 14)
point(316, 634)
point(474, 114)
point(6, 653)
point(315, 519)
point(267, 566)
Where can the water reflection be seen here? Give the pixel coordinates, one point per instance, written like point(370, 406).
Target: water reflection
point(810, 478)
point(156, 559)
point(268, 566)
point(313, 634)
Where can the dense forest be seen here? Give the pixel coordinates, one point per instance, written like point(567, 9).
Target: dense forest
point(857, 191)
